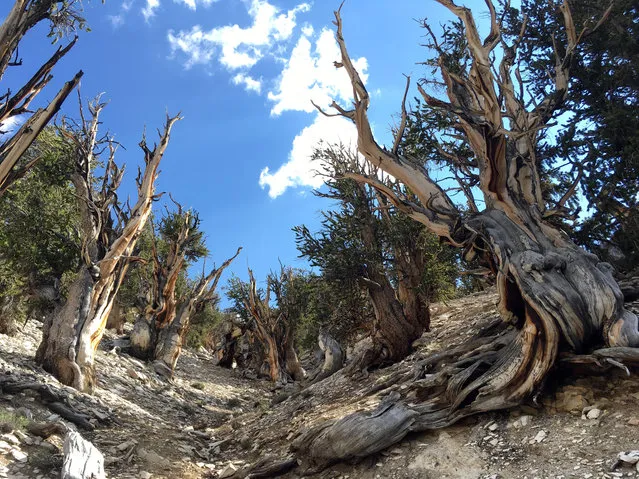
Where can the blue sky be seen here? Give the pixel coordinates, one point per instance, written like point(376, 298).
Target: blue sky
point(243, 73)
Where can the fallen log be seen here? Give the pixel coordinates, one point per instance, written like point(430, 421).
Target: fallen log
point(54, 399)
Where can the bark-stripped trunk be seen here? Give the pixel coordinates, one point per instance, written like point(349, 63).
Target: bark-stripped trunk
point(12, 149)
point(72, 334)
point(292, 364)
point(166, 340)
point(162, 308)
point(273, 329)
point(170, 340)
point(333, 357)
point(554, 297)
point(117, 318)
point(24, 15)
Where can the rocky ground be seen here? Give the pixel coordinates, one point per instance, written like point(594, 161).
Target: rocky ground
point(211, 422)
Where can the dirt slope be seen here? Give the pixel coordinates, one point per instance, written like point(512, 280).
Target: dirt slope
point(211, 421)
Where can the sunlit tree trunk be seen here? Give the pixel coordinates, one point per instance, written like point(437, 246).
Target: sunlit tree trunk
point(72, 334)
point(24, 15)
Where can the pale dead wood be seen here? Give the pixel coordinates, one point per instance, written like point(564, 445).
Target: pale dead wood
point(72, 334)
point(82, 460)
point(170, 337)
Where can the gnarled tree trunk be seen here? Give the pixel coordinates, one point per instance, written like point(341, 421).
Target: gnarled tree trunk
point(167, 339)
point(273, 329)
point(333, 357)
point(400, 316)
point(72, 334)
point(162, 308)
point(554, 297)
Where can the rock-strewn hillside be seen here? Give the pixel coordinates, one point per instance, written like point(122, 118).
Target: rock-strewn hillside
point(211, 422)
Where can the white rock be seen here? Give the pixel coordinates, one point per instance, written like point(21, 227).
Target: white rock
point(631, 457)
point(493, 427)
point(145, 475)
point(524, 420)
point(19, 455)
point(541, 435)
point(228, 471)
point(10, 438)
point(593, 413)
point(125, 445)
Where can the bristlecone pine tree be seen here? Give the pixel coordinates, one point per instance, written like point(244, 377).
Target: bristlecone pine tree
point(159, 333)
point(599, 138)
point(554, 296)
point(24, 15)
point(363, 241)
point(175, 241)
point(274, 327)
point(73, 332)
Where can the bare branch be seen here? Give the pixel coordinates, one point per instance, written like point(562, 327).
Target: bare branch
point(402, 125)
point(413, 176)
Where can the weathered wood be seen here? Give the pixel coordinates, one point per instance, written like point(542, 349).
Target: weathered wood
point(357, 435)
point(71, 335)
point(333, 357)
point(82, 460)
point(23, 16)
point(53, 399)
point(266, 468)
point(170, 337)
point(630, 288)
point(554, 296)
point(81, 420)
point(273, 329)
point(46, 429)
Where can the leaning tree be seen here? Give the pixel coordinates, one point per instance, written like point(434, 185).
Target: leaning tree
point(109, 231)
point(555, 298)
point(23, 16)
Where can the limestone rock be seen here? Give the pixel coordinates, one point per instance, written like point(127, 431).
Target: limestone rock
point(228, 471)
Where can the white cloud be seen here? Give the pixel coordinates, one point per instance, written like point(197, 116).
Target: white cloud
point(237, 47)
point(307, 30)
point(310, 74)
point(300, 170)
point(116, 20)
point(192, 4)
point(149, 10)
point(249, 83)
point(119, 19)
